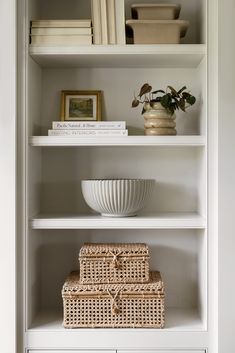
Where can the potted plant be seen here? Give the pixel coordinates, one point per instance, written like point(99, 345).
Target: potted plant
point(159, 108)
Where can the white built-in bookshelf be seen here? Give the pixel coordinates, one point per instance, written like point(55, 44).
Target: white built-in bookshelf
point(56, 220)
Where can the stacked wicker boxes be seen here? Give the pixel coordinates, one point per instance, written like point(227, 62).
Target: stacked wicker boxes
point(115, 288)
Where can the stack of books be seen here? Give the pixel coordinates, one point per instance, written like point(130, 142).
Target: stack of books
point(88, 129)
point(61, 32)
point(108, 19)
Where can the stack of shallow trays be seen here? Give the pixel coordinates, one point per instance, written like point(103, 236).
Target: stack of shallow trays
point(114, 289)
point(157, 24)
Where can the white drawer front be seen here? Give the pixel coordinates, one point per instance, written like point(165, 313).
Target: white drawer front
point(171, 351)
point(71, 351)
point(119, 351)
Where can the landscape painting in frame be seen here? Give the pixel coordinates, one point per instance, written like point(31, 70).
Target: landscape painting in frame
point(81, 105)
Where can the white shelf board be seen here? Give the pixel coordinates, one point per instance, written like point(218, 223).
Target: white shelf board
point(138, 55)
point(152, 221)
point(183, 326)
point(176, 320)
point(118, 141)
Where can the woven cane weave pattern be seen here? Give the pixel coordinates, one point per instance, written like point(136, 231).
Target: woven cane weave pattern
point(102, 249)
point(103, 270)
point(114, 263)
point(73, 286)
point(113, 305)
point(96, 312)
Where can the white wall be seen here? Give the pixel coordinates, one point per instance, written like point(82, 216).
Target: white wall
point(226, 130)
point(7, 174)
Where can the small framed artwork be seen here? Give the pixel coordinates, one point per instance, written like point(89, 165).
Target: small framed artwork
point(81, 105)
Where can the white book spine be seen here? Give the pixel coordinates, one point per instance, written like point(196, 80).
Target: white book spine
point(101, 125)
point(120, 21)
point(61, 23)
point(96, 21)
point(111, 21)
point(60, 31)
point(88, 133)
point(104, 26)
point(62, 40)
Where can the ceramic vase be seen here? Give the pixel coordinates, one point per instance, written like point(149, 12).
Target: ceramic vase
point(158, 121)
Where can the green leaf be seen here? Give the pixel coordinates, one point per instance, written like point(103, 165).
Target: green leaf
point(176, 103)
point(135, 103)
point(191, 100)
point(181, 90)
point(166, 100)
point(146, 88)
point(185, 95)
point(173, 91)
point(182, 104)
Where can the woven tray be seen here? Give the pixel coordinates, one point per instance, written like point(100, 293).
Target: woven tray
point(113, 305)
point(114, 263)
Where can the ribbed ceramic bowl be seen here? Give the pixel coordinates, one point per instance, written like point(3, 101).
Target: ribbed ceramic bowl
point(117, 197)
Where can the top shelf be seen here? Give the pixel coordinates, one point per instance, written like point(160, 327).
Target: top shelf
point(128, 56)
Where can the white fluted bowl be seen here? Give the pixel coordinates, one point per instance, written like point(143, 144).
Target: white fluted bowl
point(117, 197)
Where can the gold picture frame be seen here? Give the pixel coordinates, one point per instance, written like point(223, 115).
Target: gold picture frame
point(81, 105)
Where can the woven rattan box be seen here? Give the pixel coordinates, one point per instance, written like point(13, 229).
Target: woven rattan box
point(113, 305)
point(114, 263)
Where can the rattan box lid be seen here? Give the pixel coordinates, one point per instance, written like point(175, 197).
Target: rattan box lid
point(111, 249)
point(73, 287)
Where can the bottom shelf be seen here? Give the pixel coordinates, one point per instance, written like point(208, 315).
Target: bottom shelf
point(184, 329)
point(176, 320)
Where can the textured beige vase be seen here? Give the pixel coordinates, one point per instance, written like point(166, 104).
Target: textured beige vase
point(158, 121)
